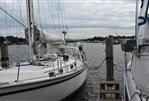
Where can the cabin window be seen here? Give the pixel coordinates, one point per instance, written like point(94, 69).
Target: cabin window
point(71, 66)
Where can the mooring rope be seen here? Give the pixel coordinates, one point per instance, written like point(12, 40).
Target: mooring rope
point(97, 67)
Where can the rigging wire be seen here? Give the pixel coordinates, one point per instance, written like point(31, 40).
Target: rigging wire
point(18, 27)
point(20, 16)
point(62, 20)
point(8, 25)
point(6, 20)
point(20, 8)
point(39, 14)
point(21, 19)
point(65, 26)
point(64, 16)
point(12, 8)
point(62, 24)
point(52, 15)
point(13, 17)
point(53, 7)
point(58, 17)
point(61, 15)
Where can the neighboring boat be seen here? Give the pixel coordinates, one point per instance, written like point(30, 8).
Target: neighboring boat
point(47, 76)
point(136, 76)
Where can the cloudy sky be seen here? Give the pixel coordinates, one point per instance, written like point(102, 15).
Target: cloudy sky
point(85, 18)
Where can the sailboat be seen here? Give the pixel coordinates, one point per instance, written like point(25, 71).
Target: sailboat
point(136, 82)
point(46, 76)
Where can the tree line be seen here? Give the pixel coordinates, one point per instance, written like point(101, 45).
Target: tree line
point(12, 40)
point(19, 40)
point(116, 39)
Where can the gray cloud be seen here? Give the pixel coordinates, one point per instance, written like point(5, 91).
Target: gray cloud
point(101, 16)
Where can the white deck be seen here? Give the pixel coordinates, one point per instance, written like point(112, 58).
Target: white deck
point(34, 72)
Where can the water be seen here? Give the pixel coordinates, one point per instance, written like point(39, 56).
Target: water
point(18, 52)
point(95, 54)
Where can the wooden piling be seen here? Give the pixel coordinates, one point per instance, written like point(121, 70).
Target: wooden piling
point(4, 55)
point(109, 88)
point(109, 58)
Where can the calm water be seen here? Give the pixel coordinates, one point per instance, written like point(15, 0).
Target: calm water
point(95, 54)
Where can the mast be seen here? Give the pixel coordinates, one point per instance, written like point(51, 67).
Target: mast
point(30, 21)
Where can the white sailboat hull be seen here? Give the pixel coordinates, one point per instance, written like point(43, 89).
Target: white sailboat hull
point(50, 90)
point(130, 91)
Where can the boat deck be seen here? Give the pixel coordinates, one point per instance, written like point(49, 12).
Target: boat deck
point(29, 72)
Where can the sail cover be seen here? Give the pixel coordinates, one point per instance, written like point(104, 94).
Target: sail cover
point(42, 37)
point(49, 38)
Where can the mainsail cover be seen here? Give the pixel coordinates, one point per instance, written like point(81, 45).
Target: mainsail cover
point(51, 38)
point(42, 37)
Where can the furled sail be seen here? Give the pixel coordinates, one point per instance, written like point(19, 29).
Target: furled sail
point(42, 37)
point(50, 38)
